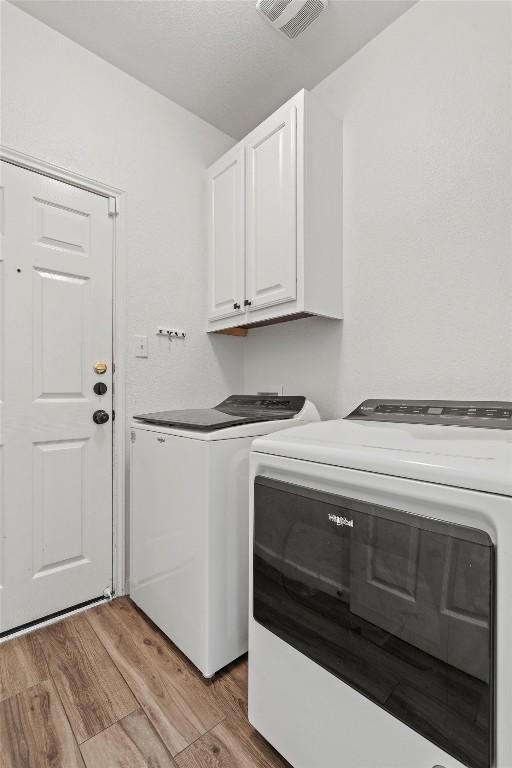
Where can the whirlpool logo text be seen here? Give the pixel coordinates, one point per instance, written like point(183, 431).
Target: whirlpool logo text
point(339, 520)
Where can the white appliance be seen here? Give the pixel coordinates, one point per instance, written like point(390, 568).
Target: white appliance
point(190, 517)
point(380, 631)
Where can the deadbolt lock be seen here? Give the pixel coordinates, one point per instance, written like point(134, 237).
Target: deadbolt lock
point(100, 367)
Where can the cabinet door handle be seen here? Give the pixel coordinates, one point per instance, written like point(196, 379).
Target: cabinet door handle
point(236, 306)
point(247, 303)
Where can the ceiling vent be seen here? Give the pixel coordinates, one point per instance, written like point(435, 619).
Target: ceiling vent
point(291, 17)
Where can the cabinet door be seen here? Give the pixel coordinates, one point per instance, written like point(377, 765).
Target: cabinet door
point(272, 210)
point(226, 244)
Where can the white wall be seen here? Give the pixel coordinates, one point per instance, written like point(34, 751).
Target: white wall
point(427, 110)
point(62, 104)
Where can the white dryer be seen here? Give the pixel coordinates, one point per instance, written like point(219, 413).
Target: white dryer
point(380, 631)
point(190, 518)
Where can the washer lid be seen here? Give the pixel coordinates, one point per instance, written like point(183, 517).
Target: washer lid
point(234, 411)
point(473, 458)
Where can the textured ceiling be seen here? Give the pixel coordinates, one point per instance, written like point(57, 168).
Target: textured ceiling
point(218, 58)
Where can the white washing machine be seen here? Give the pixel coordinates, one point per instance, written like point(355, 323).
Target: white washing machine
point(380, 631)
point(190, 518)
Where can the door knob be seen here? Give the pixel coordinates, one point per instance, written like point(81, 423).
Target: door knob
point(100, 417)
point(100, 367)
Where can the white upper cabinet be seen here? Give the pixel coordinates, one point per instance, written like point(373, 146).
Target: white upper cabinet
point(226, 269)
point(271, 211)
point(275, 210)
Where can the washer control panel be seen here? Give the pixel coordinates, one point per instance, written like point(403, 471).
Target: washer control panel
point(488, 414)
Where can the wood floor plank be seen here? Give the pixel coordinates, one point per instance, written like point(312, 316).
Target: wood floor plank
point(22, 665)
point(35, 732)
point(230, 744)
point(239, 671)
point(93, 691)
point(178, 703)
point(138, 622)
point(230, 689)
point(130, 743)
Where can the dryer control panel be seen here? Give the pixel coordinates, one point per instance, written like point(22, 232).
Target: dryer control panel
point(487, 414)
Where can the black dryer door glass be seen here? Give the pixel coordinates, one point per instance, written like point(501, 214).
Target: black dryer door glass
point(398, 606)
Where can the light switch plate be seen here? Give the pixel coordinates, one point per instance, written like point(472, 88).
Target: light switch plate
point(140, 346)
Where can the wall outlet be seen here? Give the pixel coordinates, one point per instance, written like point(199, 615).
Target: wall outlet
point(140, 346)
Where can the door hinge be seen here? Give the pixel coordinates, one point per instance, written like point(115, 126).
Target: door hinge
point(113, 206)
point(133, 436)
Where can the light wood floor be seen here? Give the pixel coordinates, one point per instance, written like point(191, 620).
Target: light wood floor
point(105, 689)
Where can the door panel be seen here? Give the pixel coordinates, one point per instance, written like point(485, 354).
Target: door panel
point(465, 607)
point(56, 322)
point(362, 590)
point(59, 227)
point(396, 580)
point(272, 210)
point(59, 504)
point(393, 558)
point(429, 589)
point(226, 236)
point(59, 348)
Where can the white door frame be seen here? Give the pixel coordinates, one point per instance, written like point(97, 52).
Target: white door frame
point(114, 196)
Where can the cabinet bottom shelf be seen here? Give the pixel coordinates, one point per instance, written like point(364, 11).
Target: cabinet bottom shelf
point(242, 330)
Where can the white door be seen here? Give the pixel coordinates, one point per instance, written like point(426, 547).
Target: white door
point(226, 236)
point(272, 210)
point(55, 461)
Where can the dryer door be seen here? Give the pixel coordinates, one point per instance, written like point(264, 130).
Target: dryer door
point(398, 606)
